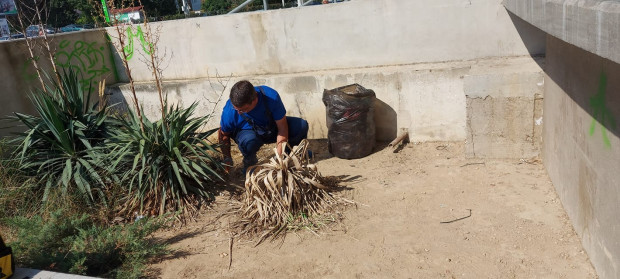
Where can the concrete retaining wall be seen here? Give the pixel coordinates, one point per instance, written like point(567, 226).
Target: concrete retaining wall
point(592, 25)
point(581, 148)
point(354, 34)
point(491, 103)
point(440, 69)
point(445, 70)
point(88, 53)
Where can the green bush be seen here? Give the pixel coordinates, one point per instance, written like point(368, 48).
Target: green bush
point(167, 164)
point(63, 144)
point(75, 244)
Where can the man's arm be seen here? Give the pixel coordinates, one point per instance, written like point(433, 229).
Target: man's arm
point(282, 137)
point(224, 139)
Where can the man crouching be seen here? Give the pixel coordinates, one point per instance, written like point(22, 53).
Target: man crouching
point(254, 116)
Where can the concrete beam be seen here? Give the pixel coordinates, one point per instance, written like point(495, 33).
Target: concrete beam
point(589, 24)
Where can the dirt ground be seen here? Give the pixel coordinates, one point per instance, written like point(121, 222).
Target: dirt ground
point(411, 221)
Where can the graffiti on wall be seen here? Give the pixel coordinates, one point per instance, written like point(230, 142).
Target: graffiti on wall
point(27, 71)
point(600, 112)
point(86, 59)
point(129, 47)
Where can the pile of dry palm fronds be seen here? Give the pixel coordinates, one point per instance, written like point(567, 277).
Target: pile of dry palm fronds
point(279, 191)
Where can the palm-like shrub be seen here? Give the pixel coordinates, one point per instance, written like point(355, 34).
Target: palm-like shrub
point(62, 146)
point(167, 164)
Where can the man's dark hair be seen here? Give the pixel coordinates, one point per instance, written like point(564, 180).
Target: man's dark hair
point(242, 93)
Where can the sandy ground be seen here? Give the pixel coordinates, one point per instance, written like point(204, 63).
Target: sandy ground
point(517, 227)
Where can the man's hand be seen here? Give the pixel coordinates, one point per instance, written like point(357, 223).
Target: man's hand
point(228, 163)
point(282, 137)
point(224, 139)
point(280, 144)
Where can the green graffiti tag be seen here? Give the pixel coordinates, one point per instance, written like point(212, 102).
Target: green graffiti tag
point(26, 70)
point(600, 112)
point(129, 48)
point(86, 59)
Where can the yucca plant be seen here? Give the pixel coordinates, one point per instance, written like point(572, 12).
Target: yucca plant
point(280, 191)
point(168, 164)
point(63, 145)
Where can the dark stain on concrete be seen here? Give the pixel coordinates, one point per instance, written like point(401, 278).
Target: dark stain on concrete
point(306, 84)
point(585, 193)
point(266, 52)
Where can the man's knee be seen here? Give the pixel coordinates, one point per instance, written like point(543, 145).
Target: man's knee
point(248, 143)
point(298, 129)
point(305, 128)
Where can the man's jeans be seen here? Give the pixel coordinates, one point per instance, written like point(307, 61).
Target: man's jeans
point(249, 143)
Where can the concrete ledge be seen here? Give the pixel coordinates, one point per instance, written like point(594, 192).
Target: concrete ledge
point(593, 25)
point(23, 273)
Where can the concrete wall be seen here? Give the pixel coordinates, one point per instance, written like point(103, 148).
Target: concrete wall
point(491, 103)
point(88, 53)
point(581, 145)
point(581, 148)
point(592, 25)
point(354, 34)
point(445, 70)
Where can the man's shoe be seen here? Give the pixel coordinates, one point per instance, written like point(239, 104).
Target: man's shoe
point(248, 162)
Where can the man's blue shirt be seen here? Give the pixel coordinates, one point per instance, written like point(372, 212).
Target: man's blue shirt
point(232, 121)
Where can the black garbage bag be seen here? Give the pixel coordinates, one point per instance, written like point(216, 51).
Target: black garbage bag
point(350, 121)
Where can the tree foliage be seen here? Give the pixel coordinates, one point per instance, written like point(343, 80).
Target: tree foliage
point(216, 7)
point(65, 12)
point(159, 8)
point(58, 13)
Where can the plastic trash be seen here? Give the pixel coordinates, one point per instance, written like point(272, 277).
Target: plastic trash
point(350, 121)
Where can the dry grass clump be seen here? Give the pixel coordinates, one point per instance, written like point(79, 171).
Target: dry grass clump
point(285, 189)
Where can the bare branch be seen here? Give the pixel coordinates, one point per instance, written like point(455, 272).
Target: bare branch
point(31, 44)
point(214, 104)
point(152, 40)
point(46, 44)
point(120, 44)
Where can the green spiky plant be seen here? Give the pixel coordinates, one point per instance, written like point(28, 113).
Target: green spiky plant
point(165, 165)
point(168, 164)
point(62, 146)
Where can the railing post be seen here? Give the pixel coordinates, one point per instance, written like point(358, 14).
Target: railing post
point(265, 4)
point(185, 8)
point(240, 6)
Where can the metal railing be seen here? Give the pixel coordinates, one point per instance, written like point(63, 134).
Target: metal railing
point(300, 3)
